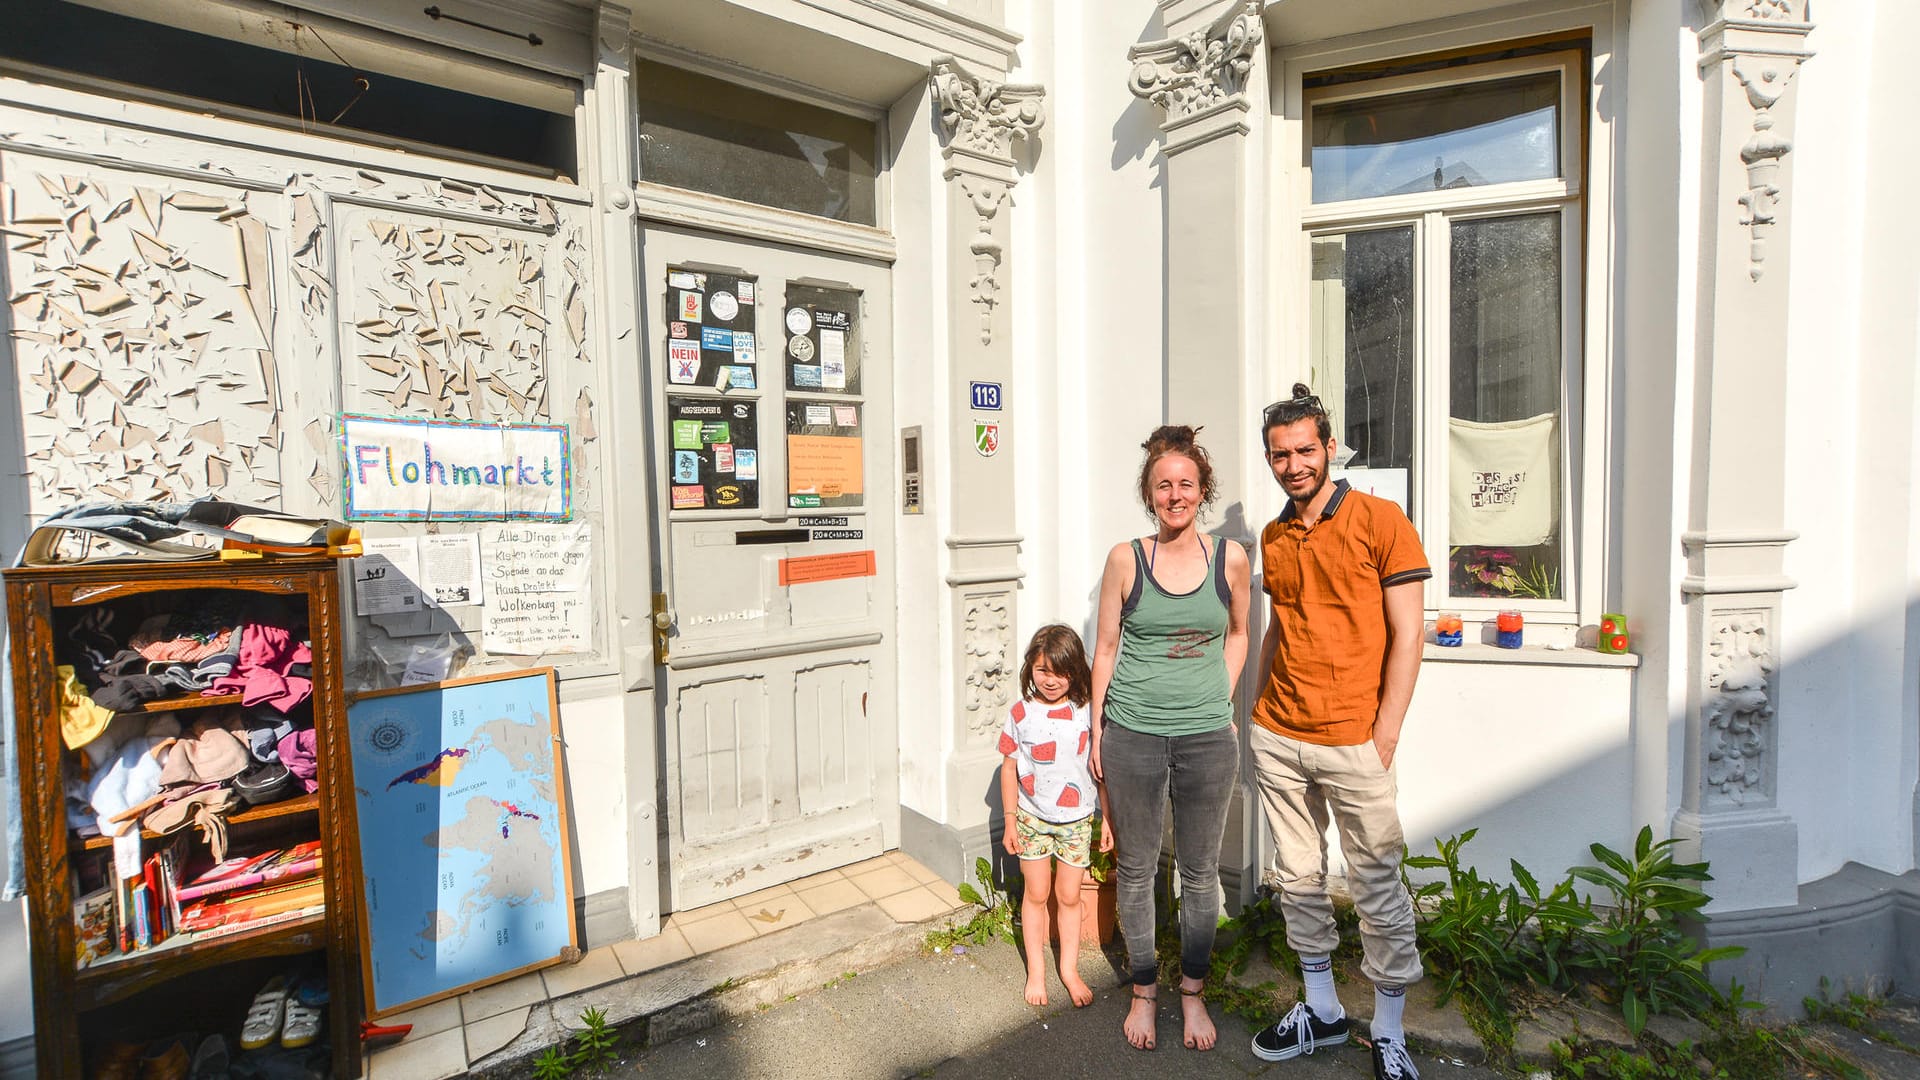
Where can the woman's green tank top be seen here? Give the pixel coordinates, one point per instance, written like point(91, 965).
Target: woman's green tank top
point(1171, 678)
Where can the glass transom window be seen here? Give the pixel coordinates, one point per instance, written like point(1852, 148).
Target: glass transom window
point(706, 134)
point(1494, 132)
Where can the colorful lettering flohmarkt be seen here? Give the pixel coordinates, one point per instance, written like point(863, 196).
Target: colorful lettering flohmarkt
point(399, 469)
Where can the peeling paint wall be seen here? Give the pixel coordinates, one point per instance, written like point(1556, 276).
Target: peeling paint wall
point(143, 317)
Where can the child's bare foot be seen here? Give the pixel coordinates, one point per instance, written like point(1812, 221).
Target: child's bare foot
point(1193, 1010)
point(1141, 1022)
point(1077, 988)
point(1037, 988)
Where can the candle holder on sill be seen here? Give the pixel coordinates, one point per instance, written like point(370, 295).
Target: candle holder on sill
point(1448, 630)
point(1509, 626)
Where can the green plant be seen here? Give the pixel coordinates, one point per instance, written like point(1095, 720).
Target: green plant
point(1640, 954)
point(1260, 927)
point(1857, 1012)
point(993, 920)
point(1101, 866)
point(1466, 934)
point(595, 1044)
point(553, 1064)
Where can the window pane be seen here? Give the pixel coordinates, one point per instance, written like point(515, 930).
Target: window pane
point(1504, 392)
point(728, 140)
point(1456, 136)
point(1361, 337)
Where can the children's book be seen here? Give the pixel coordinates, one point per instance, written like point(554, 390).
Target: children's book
point(95, 934)
point(301, 860)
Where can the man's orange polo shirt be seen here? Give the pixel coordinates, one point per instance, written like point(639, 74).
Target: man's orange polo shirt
point(1328, 584)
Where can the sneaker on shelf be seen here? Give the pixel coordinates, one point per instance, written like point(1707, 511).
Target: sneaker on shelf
point(1299, 1032)
point(1391, 1061)
point(306, 1007)
point(266, 1015)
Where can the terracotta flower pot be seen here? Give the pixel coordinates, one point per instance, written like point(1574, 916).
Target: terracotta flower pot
point(1099, 912)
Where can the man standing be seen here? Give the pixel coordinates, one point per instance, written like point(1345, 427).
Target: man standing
point(1343, 570)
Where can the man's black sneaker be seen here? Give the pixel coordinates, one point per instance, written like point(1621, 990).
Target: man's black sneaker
point(1298, 1032)
point(1391, 1061)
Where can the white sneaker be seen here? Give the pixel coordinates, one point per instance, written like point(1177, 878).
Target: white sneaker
point(266, 1015)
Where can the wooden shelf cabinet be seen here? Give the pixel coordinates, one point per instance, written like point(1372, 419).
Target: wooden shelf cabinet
point(64, 996)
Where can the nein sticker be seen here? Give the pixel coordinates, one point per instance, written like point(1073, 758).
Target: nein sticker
point(686, 467)
point(690, 306)
point(798, 321)
point(746, 464)
point(689, 497)
point(683, 361)
point(724, 306)
point(801, 349)
point(743, 347)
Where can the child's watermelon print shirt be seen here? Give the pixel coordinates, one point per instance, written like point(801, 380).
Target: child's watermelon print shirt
point(1051, 747)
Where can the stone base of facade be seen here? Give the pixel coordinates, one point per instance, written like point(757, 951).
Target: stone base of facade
point(946, 850)
point(16, 1059)
point(603, 918)
point(1858, 928)
point(1752, 854)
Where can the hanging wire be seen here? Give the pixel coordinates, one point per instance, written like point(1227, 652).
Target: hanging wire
point(307, 107)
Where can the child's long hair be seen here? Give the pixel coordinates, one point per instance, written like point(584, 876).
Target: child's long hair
point(1066, 656)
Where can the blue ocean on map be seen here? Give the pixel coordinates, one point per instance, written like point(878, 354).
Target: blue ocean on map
point(460, 836)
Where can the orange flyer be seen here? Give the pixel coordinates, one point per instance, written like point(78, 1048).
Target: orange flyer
point(845, 564)
point(823, 465)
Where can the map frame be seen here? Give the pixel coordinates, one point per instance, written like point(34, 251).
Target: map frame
point(452, 691)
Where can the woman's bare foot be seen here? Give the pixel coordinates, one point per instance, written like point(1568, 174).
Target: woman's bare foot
point(1141, 1021)
point(1037, 988)
point(1193, 1010)
point(1077, 988)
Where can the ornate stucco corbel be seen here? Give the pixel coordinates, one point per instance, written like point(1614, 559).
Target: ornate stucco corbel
point(985, 115)
point(1762, 43)
point(1193, 72)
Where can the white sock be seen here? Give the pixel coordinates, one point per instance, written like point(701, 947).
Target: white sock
point(1317, 973)
point(1389, 1004)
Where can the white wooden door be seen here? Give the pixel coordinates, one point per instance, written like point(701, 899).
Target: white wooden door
point(771, 384)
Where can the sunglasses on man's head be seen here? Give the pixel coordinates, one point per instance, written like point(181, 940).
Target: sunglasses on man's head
point(1286, 412)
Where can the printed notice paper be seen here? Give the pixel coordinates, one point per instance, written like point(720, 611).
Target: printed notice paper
point(450, 569)
point(384, 577)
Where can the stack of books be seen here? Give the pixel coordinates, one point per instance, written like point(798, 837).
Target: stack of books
point(169, 899)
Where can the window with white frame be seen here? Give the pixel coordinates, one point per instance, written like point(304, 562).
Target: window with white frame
point(1443, 319)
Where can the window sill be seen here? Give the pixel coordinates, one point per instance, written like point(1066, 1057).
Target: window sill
point(1477, 653)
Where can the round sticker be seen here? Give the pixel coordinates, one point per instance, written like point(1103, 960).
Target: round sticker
point(798, 320)
point(800, 348)
point(723, 306)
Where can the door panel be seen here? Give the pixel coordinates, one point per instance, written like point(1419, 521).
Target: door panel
point(771, 377)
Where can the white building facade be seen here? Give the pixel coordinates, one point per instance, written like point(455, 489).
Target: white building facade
point(1616, 297)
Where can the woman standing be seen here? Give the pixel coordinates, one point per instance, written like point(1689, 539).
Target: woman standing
point(1171, 642)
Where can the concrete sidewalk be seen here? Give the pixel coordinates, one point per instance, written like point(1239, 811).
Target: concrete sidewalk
point(964, 1016)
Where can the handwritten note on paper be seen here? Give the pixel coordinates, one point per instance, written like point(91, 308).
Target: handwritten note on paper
point(536, 581)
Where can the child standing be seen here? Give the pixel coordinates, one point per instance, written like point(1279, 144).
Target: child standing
point(1048, 791)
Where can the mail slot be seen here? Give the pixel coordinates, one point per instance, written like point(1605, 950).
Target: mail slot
point(770, 536)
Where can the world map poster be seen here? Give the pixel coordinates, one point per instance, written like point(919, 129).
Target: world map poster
point(464, 844)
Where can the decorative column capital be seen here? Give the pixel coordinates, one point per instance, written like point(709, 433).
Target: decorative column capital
point(1195, 72)
point(982, 115)
point(1760, 44)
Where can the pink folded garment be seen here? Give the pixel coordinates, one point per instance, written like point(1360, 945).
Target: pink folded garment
point(266, 655)
point(298, 754)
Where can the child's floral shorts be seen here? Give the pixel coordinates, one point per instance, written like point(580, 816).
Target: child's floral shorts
point(1071, 843)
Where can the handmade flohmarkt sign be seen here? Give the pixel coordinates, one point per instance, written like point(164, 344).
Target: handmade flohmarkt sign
point(401, 469)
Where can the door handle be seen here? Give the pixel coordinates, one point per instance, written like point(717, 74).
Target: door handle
point(662, 624)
